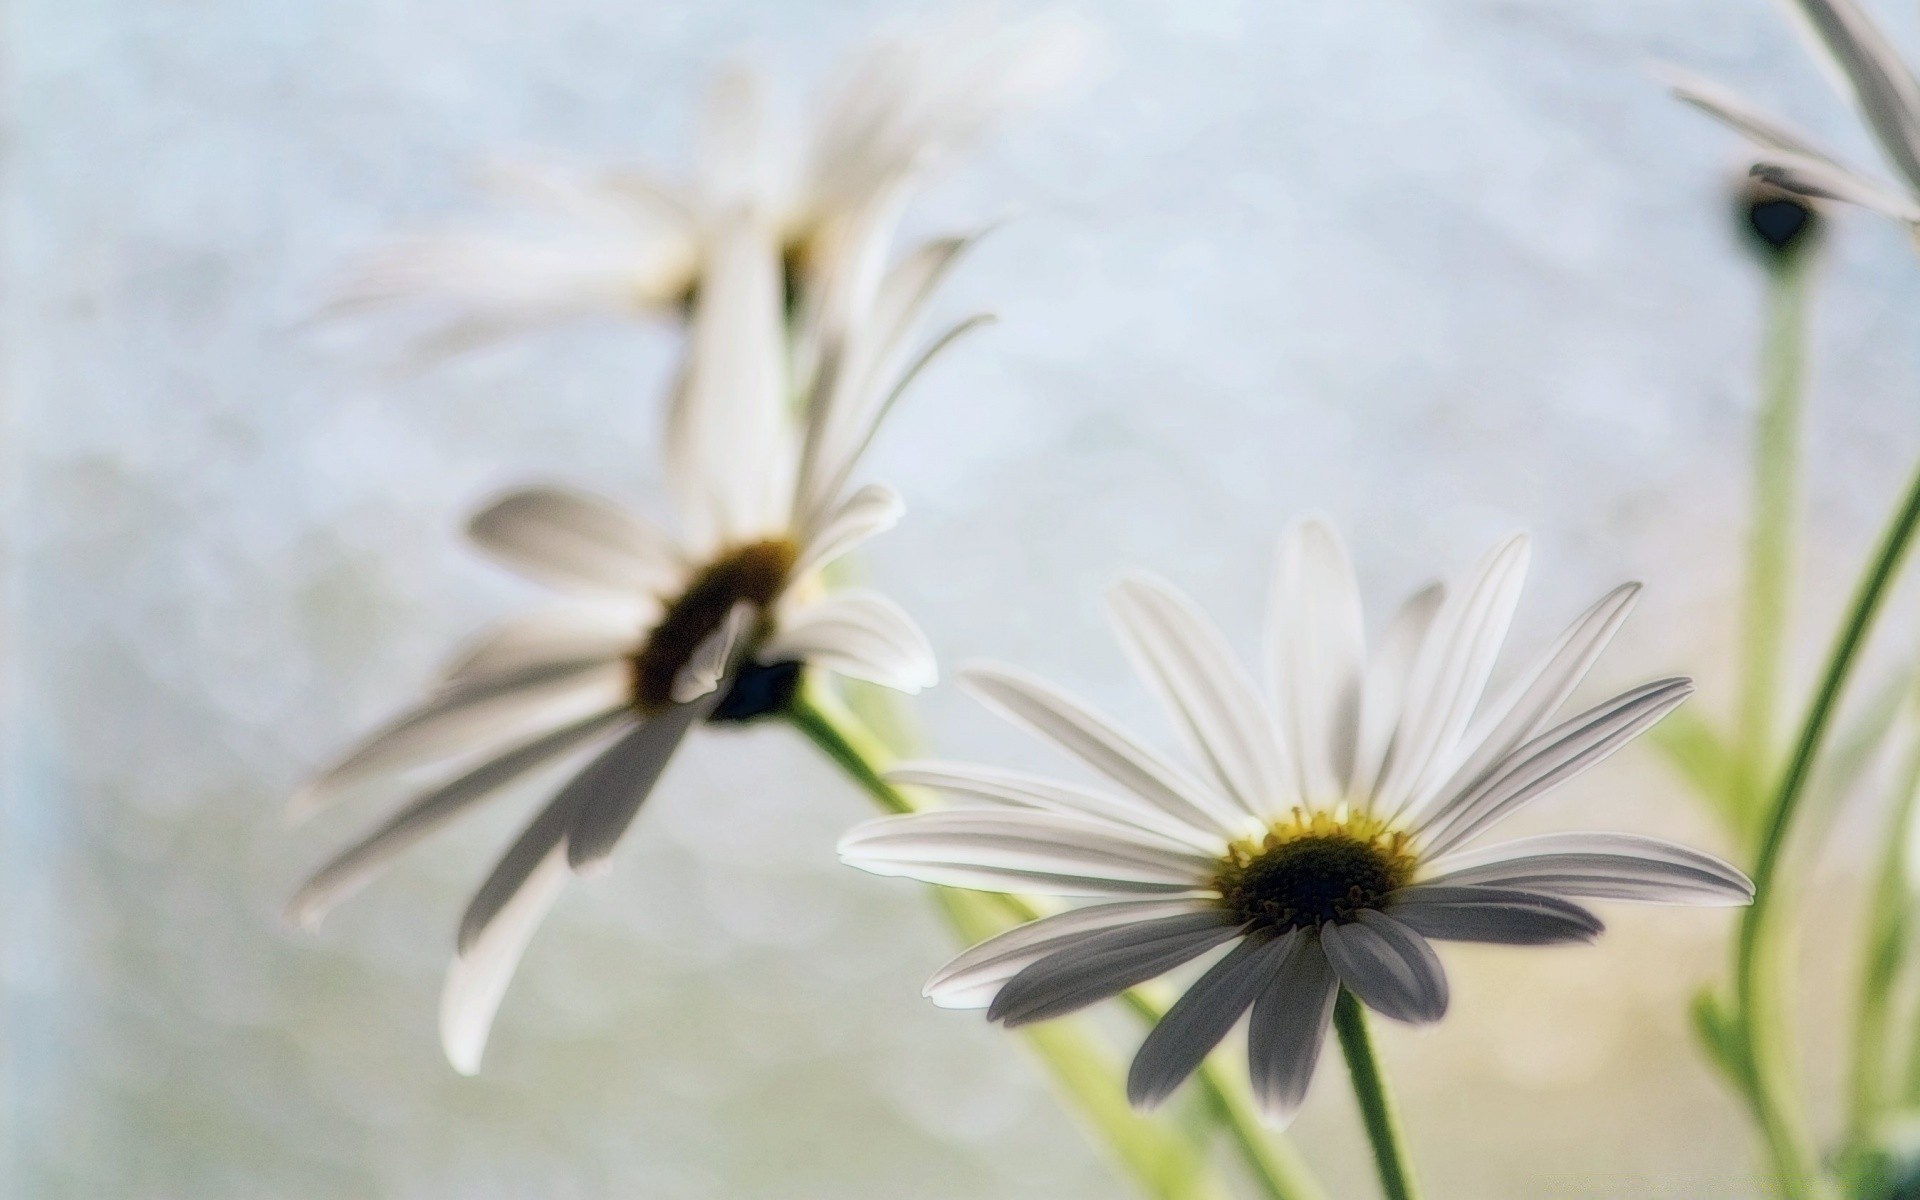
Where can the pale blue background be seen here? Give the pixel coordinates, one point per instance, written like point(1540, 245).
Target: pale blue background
point(1438, 269)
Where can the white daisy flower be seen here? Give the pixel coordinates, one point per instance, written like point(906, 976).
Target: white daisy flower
point(660, 632)
point(1324, 835)
point(1868, 70)
point(625, 242)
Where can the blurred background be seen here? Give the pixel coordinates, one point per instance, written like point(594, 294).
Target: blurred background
point(1437, 270)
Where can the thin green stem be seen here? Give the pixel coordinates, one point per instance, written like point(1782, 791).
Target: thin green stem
point(1376, 1107)
point(1269, 1158)
point(1758, 984)
point(1771, 536)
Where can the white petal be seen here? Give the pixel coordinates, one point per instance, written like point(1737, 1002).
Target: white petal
point(1728, 107)
point(1096, 741)
point(1288, 1026)
point(1450, 675)
point(610, 791)
point(1548, 761)
point(1822, 180)
point(971, 979)
point(1385, 689)
point(871, 510)
point(1871, 71)
point(460, 718)
point(713, 657)
point(998, 786)
point(1604, 866)
point(353, 867)
point(1189, 1031)
point(1107, 962)
point(574, 540)
point(1317, 656)
point(858, 633)
point(1011, 850)
point(1180, 654)
point(1492, 914)
point(573, 633)
point(478, 978)
point(1388, 966)
point(1537, 694)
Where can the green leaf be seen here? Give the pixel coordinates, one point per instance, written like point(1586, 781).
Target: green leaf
point(1718, 1036)
point(1701, 755)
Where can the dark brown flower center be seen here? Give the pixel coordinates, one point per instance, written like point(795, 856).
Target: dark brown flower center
point(1306, 872)
point(753, 574)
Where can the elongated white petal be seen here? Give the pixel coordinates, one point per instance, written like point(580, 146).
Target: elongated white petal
point(610, 791)
point(1388, 966)
point(971, 979)
point(1548, 761)
point(1536, 695)
point(1317, 655)
point(478, 978)
point(872, 510)
point(1385, 689)
point(1604, 866)
point(353, 867)
point(1096, 741)
point(998, 786)
point(1288, 1025)
point(497, 706)
point(571, 634)
point(858, 633)
point(1105, 963)
point(1870, 70)
point(1190, 1030)
point(1013, 850)
point(574, 540)
point(713, 657)
point(1492, 914)
point(1822, 180)
point(1180, 654)
point(1450, 675)
point(1731, 109)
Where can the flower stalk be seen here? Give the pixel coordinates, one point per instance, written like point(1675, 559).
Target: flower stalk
point(1376, 1106)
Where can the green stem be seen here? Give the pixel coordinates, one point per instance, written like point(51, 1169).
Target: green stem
point(1771, 536)
point(1758, 985)
point(1376, 1107)
point(1271, 1160)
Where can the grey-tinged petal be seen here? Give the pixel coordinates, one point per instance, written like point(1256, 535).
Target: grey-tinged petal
point(868, 512)
point(1529, 704)
point(1731, 109)
point(1450, 675)
point(1548, 761)
point(1492, 914)
point(1826, 181)
point(998, 786)
point(572, 634)
point(1099, 743)
point(1105, 963)
point(1602, 866)
point(1385, 688)
point(1388, 966)
point(610, 791)
point(1316, 653)
point(1216, 707)
point(541, 839)
point(1871, 71)
point(859, 633)
point(706, 668)
point(478, 978)
point(577, 541)
point(971, 979)
point(1288, 1026)
point(1189, 1031)
point(355, 866)
point(1002, 850)
point(504, 704)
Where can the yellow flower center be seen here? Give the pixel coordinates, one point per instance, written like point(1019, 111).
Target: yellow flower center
point(754, 574)
point(1313, 867)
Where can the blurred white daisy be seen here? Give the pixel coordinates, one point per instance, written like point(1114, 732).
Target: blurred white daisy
point(661, 632)
point(1867, 69)
point(1324, 836)
point(627, 242)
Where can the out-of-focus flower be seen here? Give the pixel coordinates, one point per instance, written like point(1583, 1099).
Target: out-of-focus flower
point(1868, 70)
point(627, 242)
point(661, 632)
point(1325, 835)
